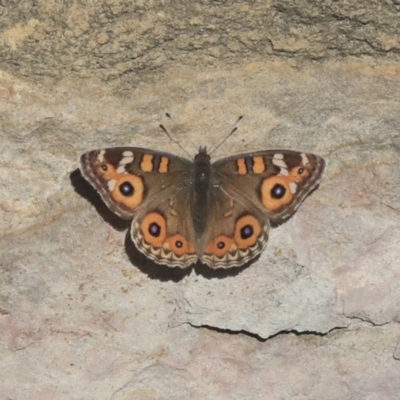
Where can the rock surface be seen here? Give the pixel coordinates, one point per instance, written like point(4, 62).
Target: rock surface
point(315, 317)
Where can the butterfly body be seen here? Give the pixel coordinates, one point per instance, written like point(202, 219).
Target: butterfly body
point(186, 211)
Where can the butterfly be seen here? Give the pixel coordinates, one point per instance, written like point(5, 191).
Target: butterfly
point(185, 211)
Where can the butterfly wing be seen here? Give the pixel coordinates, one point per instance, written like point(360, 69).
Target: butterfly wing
point(250, 191)
point(145, 185)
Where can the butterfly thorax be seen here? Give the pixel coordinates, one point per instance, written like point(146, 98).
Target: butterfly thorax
point(202, 171)
point(201, 185)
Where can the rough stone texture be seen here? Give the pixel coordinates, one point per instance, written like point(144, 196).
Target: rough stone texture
point(132, 41)
point(82, 317)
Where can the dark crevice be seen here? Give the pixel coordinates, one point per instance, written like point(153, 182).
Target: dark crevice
point(262, 339)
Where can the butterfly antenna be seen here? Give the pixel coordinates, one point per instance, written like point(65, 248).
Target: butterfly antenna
point(173, 140)
point(168, 115)
point(234, 129)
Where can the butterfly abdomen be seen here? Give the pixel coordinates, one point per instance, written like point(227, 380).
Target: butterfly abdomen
point(201, 187)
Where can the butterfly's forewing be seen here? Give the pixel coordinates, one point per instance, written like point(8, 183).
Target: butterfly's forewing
point(276, 181)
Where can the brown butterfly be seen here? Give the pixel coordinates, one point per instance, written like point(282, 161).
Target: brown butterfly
point(186, 211)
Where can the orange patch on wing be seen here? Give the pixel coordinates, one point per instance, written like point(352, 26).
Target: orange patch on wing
point(109, 173)
point(157, 237)
point(220, 245)
point(178, 245)
point(105, 170)
point(296, 175)
point(259, 165)
point(136, 198)
point(164, 165)
point(146, 164)
point(268, 201)
point(253, 224)
point(241, 166)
